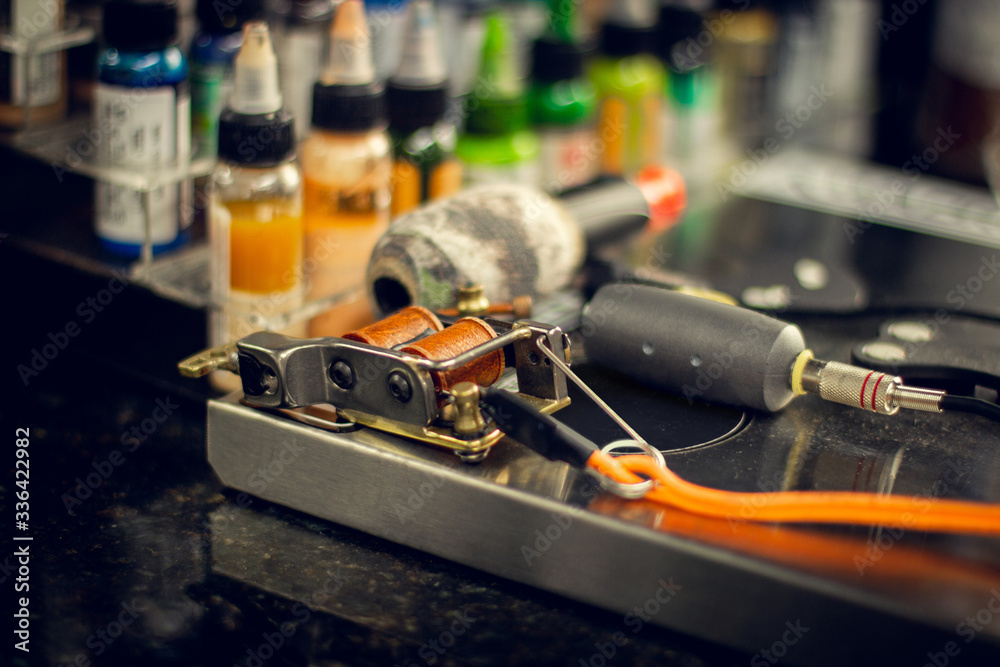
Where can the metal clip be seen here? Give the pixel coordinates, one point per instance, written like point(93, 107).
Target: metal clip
point(222, 358)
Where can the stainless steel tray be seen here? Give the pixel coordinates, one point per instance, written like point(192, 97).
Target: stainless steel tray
point(821, 596)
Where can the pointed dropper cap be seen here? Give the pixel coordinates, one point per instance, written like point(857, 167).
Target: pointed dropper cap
point(558, 54)
point(254, 129)
point(347, 97)
point(255, 74)
point(497, 104)
point(630, 29)
point(417, 92)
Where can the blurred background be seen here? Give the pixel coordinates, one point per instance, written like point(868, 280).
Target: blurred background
point(162, 153)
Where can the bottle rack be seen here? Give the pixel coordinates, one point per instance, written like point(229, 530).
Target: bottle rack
point(181, 275)
point(26, 49)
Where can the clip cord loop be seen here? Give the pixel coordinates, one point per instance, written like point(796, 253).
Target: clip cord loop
point(631, 490)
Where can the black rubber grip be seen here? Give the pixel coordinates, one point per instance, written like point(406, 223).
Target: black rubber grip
point(539, 432)
point(690, 346)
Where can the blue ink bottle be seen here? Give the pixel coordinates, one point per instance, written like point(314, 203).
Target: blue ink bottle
point(142, 115)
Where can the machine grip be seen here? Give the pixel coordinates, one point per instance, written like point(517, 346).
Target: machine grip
point(687, 345)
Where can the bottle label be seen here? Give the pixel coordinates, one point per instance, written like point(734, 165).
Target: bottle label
point(31, 19)
point(631, 135)
point(142, 127)
point(569, 157)
point(519, 173)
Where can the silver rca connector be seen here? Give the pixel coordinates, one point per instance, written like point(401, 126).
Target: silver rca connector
point(860, 387)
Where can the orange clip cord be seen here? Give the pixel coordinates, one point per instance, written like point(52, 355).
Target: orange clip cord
point(849, 507)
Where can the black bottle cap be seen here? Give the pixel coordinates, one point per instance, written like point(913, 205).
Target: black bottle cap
point(348, 108)
point(140, 25)
point(621, 41)
point(676, 26)
point(411, 108)
point(215, 16)
point(258, 140)
point(555, 60)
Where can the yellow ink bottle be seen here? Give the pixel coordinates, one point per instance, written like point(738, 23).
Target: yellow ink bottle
point(256, 211)
point(346, 164)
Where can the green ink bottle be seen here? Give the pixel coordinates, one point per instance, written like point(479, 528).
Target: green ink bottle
point(562, 103)
point(424, 164)
point(630, 85)
point(497, 145)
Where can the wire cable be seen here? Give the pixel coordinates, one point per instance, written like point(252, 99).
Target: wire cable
point(972, 405)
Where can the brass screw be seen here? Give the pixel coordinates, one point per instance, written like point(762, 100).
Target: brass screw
point(468, 419)
point(470, 301)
